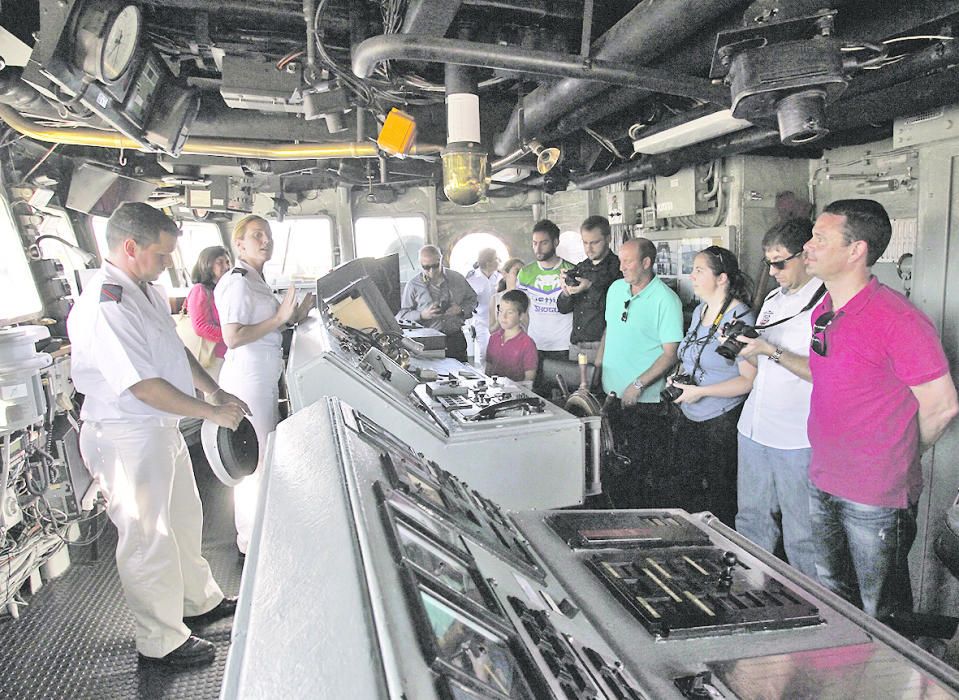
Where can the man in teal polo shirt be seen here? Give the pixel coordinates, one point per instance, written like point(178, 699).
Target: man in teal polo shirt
point(644, 324)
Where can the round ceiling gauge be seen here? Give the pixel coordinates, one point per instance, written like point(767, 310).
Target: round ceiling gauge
point(107, 37)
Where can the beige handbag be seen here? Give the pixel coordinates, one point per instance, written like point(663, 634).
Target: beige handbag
point(202, 349)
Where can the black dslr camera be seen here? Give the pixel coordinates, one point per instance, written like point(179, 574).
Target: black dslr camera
point(575, 276)
point(671, 393)
point(731, 347)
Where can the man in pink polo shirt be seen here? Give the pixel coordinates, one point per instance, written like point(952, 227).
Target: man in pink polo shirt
point(882, 393)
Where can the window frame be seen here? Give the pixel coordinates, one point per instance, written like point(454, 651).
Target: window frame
point(332, 241)
point(417, 215)
point(14, 228)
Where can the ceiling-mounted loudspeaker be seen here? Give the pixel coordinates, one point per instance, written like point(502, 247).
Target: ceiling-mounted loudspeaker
point(547, 159)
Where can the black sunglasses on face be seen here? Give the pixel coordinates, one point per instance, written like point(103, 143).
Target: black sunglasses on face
point(818, 342)
point(625, 311)
point(434, 266)
point(781, 264)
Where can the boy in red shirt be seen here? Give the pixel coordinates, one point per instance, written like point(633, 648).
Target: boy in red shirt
point(511, 352)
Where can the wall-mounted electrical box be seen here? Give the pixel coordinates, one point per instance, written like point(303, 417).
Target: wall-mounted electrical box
point(676, 194)
point(625, 207)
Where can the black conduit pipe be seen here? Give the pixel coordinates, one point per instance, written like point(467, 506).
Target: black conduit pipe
point(646, 32)
point(419, 48)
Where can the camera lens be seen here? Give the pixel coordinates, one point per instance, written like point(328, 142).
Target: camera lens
point(730, 349)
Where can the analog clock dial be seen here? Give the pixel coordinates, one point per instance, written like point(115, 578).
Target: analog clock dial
point(120, 43)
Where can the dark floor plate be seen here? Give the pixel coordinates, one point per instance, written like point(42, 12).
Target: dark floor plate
point(75, 639)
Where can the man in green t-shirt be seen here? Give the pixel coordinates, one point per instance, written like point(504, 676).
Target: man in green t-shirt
point(542, 283)
point(644, 324)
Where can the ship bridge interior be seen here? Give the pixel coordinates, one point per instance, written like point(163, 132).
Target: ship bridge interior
point(362, 129)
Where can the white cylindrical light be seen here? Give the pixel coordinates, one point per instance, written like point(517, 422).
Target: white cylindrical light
point(462, 118)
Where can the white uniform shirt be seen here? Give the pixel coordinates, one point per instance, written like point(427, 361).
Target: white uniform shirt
point(243, 296)
point(485, 288)
point(777, 408)
point(120, 337)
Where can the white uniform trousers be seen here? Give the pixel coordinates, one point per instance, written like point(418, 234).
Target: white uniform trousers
point(145, 472)
point(480, 342)
point(254, 379)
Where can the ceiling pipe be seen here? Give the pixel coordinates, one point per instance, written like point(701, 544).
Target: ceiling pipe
point(560, 9)
point(932, 58)
point(648, 30)
point(272, 11)
point(918, 83)
point(434, 50)
point(666, 164)
point(202, 146)
point(693, 57)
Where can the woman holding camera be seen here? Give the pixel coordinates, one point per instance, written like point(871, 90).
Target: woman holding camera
point(710, 389)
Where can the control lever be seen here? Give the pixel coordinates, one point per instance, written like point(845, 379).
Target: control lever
point(698, 686)
point(533, 402)
point(730, 561)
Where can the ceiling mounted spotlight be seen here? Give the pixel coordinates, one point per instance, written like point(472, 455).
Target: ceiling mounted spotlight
point(547, 158)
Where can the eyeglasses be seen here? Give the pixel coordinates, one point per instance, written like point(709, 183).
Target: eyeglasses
point(434, 266)
point(781, 264)
point(625, 311)
point(819, 326)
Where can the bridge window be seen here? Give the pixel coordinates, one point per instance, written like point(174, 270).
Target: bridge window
point(376, 236)
point(464, 253)
point(21, 302)
point(196, 236)
point(302, 249)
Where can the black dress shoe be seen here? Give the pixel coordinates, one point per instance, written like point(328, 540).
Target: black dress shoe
point(225, 608)
point(193, 652)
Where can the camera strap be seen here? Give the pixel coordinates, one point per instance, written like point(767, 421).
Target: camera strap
point(812, 302)
point(709, 336)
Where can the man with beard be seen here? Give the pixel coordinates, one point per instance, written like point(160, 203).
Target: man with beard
point(585, 294)
point(542, 281)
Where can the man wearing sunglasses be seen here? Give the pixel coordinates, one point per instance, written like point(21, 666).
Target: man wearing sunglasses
point(882, 393)
point(644, 324)
point(773, 498)
point(439, 298)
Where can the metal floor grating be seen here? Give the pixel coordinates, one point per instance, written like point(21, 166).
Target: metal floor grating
point(75, 640)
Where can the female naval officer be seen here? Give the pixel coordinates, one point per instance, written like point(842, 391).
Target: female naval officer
point(251, 319)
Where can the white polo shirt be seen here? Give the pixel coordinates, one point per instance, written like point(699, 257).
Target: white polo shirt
point(777, 408)
point(120, 336)
point(243, 296)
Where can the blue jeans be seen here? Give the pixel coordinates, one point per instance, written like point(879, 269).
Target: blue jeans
point(773, 487)
point(861, 551)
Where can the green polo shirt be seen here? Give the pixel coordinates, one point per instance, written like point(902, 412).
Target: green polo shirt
point(654, 317)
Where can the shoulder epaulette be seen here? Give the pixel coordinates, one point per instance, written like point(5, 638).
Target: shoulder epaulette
point(111, 292)
point(239, 271)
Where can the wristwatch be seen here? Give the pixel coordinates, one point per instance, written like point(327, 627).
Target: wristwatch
point(777, 355)
point(638, 386)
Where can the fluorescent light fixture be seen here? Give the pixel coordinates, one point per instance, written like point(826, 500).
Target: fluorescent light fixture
point(695, 131)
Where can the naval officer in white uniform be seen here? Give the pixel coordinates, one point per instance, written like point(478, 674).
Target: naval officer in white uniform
point(252, 320)
point(138, 380)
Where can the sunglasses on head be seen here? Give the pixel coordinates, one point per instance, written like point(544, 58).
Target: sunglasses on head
point(818, 342)
point(780, 264)
point(434, 266)
point(717, 252)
